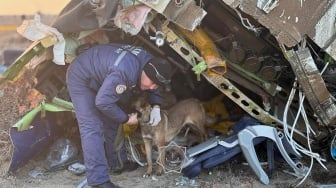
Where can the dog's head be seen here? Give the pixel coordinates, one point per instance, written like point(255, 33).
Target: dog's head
point(144, 109)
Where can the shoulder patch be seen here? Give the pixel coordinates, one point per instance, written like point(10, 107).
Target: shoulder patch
point(120, 89)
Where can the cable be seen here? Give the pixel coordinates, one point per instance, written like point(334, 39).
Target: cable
point(134, 153)
point(247, 24)
point(295, 145)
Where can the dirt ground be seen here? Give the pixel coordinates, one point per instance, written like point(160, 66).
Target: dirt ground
point(230, 174)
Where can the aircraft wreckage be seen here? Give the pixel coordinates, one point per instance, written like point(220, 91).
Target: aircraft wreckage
point(274, 59)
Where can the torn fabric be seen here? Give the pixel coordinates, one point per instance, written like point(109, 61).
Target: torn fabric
point(131, 19)
point(35, 30)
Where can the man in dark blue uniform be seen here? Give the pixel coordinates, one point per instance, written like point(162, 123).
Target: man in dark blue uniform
point(97, 81)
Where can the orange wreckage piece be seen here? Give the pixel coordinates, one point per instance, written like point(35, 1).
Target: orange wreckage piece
point(216, 65)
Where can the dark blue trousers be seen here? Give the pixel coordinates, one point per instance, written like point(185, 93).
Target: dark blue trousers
point(96, 131)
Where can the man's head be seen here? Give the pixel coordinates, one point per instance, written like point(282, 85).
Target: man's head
point(157, 72)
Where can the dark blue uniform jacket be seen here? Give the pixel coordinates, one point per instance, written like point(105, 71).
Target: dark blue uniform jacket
point(108, 67)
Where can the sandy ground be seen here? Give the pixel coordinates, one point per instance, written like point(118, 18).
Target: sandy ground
point(229, 174)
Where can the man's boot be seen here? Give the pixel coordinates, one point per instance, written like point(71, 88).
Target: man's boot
point(106, 185)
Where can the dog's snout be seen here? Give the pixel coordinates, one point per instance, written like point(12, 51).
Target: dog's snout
point(139, 114)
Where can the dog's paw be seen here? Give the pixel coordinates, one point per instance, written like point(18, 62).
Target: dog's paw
point(159, 173)
point(147, 175)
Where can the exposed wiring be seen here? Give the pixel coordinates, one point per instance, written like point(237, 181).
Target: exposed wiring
point(309, 130)
point(180, 153)
point(295, 145)
point(134, 153)
point(247, 24)
point(312, 49)
point(304, 150)
point(325, 68)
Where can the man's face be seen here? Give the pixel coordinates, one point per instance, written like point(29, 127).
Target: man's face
point(146, 83)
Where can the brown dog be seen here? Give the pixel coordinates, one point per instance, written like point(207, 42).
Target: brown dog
point(186, 112)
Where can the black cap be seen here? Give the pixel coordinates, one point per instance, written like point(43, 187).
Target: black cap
point(159, 71)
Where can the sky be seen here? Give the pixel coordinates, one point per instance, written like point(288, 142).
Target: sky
point(30, 7)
